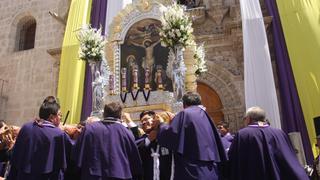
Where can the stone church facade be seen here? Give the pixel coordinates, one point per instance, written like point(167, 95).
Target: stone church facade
point(27, 76)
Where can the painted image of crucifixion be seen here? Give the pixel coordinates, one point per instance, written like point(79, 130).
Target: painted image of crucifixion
point(142, 48)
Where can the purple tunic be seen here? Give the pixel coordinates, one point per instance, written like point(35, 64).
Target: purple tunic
point(105, 151)
point(40, 153)
point(226, 144)
point(263, 153)
point(196, 144)
point(228, 137)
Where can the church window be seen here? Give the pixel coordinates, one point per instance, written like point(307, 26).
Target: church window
point(26, 34)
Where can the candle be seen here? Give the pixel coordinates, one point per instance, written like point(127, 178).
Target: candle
point(111, 83)
point(135, 76)
point(159, 77)
point(124, 79)
point(147, 78)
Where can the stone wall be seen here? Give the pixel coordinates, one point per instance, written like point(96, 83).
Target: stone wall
point(31, 74)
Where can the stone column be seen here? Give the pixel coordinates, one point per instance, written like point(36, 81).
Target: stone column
point(190, 79)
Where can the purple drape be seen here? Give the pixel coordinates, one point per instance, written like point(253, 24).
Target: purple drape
point(97, 20)
point(291, 111)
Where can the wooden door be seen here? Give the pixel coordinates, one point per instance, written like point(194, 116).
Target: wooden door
point(211, 101)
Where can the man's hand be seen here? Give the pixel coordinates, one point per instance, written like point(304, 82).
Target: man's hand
point(156, 121)
point(9, 141)
point(126, 118)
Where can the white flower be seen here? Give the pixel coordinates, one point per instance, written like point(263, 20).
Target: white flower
point(200, 59)
point(163, 8)
point(171, 34)
point(91, 43)
point(176, 26)
point(163, 44)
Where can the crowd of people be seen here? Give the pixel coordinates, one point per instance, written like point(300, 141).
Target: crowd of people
point(165, 146)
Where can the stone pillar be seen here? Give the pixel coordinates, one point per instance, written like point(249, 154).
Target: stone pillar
point(190, 79)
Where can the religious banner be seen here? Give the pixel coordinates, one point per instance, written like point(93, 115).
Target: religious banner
point(300, 24)
point(71, 75)
point(258, 76)
point(291, 111)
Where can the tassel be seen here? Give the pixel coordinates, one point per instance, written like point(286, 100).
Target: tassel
point(172, 167)
point(156, 163)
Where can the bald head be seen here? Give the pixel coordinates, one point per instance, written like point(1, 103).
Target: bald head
point(256, 114)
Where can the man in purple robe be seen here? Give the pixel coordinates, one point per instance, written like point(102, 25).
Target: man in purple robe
point(259, 151)
point(194, 140)
point(226, 137)
point(223, 128)
point(106, 150)
point(41, 148)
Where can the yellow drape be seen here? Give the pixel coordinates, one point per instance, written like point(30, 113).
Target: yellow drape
point(72, 70)
point(301, 25)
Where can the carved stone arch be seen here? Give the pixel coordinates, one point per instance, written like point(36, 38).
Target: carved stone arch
point(16, 24)
point(220, 80)
point(132, 13)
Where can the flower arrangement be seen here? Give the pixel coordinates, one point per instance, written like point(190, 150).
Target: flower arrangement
point(176, 27)
point(199, 56)
point(91, 43)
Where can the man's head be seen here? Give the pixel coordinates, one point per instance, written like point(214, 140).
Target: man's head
point(113, 109)
point(223, 128)
point(51, 99)
point(50, 110)
point(191, 99)
point(146, 120)
point(255, 114)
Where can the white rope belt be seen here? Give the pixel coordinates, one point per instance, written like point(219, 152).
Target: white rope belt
point(156, 163)
point(172, 167)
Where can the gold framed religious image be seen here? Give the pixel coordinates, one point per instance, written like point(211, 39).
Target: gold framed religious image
point(144, 59)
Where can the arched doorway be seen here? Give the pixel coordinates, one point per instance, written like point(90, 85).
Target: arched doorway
point(211, 101)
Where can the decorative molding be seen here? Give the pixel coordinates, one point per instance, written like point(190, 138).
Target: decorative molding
point(54, 51)
point(198, 15)
point(162, 106)
point(217, 14)
point(132, 13)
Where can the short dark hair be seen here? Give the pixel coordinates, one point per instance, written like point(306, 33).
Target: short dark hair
point(51, 99)
point(48, 107)
point(113, 109)
point(143, 113)
point(191, 99)
point(223, 124)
